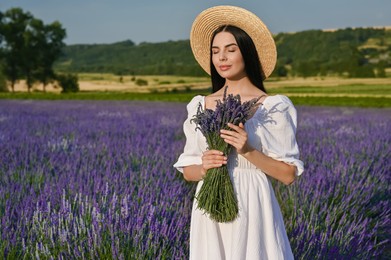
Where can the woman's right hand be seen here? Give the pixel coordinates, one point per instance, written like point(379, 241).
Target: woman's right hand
point(212, 159)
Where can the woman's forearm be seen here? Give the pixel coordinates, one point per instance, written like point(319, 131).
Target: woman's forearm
point(193, 173)
point(281, 171)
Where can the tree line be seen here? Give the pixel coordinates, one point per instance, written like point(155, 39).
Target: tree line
point(127, 58)
point(361, 52)
point(28, 50)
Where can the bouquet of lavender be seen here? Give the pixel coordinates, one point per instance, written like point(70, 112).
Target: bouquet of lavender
point(216, 196)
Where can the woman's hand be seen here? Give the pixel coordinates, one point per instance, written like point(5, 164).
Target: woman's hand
point(237, 137)
point(212, 159)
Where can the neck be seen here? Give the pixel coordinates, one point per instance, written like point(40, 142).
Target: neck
point(239, 86)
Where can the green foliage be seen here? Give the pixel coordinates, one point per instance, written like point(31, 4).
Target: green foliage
point(164, 82)
point(29, 47)
point(187, 88)
point(348, 52)
point(342, 52)
point(3, 82)
point(141, 82)
point(186, 96)
point(168, 58)
point(343, 101)
point(354, 89)
point(50, 47)
point(280, 71)
point(12, 27)
point(380, 70)
point(68, 83)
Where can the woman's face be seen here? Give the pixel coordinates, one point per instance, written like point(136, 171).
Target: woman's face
point(226, 56)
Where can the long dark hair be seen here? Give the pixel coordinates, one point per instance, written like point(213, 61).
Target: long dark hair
point(252, 64)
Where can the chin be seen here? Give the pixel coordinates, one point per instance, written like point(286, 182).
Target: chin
point(235, 77)
point(227, 75)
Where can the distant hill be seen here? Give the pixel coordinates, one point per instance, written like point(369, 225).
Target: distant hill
point(165, 58)
point(359, 52)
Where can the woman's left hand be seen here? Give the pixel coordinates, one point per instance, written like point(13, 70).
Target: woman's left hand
point(237, 137)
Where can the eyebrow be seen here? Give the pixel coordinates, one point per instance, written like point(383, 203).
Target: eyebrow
point(226, 46)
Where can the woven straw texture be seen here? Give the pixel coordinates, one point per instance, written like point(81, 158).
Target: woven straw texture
point(210, 19)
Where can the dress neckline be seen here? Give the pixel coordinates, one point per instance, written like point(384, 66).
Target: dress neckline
point(261, 104)
point(256, 111)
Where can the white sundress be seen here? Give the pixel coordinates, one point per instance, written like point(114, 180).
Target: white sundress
point(259, 231)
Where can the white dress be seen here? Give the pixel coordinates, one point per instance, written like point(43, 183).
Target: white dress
point(259, 231)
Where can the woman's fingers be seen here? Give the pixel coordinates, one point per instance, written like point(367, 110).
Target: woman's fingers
point(238, 128)
point(236, 137)
point(213, 159)
point(213, 152)
point(237, 132)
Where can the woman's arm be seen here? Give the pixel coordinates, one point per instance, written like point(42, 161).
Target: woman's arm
point(193, 173)
point(281, 171)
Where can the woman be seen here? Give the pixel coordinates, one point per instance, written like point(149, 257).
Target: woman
point(237, 50)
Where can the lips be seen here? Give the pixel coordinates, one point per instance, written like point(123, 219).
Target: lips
point(224, 67)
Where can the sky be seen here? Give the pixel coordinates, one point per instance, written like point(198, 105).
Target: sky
point(109, 21)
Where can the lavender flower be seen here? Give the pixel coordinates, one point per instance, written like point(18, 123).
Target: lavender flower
point(216, 196)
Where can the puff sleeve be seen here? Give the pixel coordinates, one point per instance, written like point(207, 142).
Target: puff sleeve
point(192, 151)
point(279, 132)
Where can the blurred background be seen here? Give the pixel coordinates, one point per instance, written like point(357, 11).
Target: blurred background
point(143, 47)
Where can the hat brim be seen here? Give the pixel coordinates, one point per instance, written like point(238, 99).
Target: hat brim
point(211, 19)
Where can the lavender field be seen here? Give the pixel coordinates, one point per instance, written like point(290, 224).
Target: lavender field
point(94, 180)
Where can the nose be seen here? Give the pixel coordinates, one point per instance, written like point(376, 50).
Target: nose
point(222, 56)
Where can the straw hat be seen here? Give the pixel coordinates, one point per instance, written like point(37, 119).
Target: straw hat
point(210, 19)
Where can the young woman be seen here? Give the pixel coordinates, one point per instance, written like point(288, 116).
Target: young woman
point(237, 50)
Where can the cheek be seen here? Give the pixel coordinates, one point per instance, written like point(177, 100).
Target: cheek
point(239, 60)
point(214, 59)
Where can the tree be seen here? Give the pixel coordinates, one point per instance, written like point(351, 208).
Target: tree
point(3, 82)
point(30, 51)
point(49, 48)
point(68, 83)
point(280, 71)
point(1, 35)
point(12, 28)
point(29, 47)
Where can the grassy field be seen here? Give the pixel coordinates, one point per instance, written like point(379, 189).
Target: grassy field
point(186, 96)
point(309, 91)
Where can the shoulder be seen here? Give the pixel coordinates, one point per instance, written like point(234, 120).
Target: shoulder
point(278, 102)
point(194, 103)
point(280, 107)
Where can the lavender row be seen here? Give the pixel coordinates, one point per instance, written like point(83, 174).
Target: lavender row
point(340, 207)
point(94, 179)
